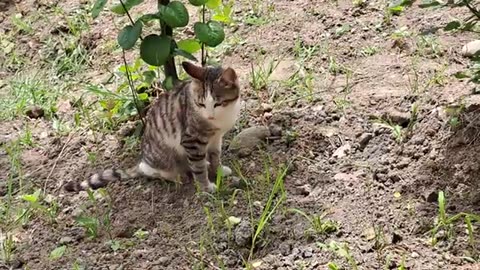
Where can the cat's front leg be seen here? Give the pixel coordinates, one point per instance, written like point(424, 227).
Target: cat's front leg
point(214, 153)
point(196, 150)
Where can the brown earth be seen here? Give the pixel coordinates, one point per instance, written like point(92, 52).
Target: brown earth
point(343, 162)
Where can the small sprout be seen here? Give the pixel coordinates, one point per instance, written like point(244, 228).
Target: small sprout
point(57, 253)
point(141, 234)
point(232, 221)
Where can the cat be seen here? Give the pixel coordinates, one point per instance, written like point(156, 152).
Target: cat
point(184, 131)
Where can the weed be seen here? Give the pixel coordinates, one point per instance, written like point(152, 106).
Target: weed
point(304, 52)
point(100, 220)
point(368, 51)
point(260, 76)
point(445, 222)
point(21, 24)
point(428, 45)
point(318, 225)
point(302, 82)
point(26, 90)
point(341, 250)
point(275, 199)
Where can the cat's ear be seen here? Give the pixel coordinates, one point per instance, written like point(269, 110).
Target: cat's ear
point(194, 71)
point(229, 77)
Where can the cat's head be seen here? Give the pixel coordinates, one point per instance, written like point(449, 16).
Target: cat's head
point(215, 89)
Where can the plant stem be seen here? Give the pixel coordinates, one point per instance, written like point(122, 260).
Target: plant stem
point(204, 53)
point(132, 88)
point(169, 67)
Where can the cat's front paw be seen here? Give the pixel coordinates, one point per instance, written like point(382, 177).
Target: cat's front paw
point(210, 187)
point(226, 170)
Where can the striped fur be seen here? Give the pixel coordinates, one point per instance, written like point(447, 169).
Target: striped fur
point(184, 131)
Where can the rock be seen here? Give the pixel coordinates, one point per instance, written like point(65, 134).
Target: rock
point(304, 189)
point(127, 130)
point(65, 240)
point(284, 248)
point(344, 177)
point(308, 253)
point(266, 107)
point(243, 233)
point(398, 117)
point(364, 139)
point(342, 151)
point(248, 140)
point(471, 49)
point(275, 130)
point(163, 261)
point(35, 112)
point(431, 196)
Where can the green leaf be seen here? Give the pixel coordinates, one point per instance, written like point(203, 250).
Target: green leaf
point(118, 8)
point(175, 14)
point(155, 49)
point(213, 4)
point(98, 7)
point(168, 83)
point(461, 75)
point(428, 4)
point(452, 26)
point(185, 54)
point(198, 2)
point(149, 76)
point(143, 96)
point(210, 33)
point(32, 198)
point(129, 35)
point(57, 253)
point(189, 45)
point(150, 17)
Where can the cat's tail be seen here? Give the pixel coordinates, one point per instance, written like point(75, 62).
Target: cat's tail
point(101, 179)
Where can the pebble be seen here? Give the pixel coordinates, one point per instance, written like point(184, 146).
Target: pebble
point(35, 112)
point(364, 139)
point(471, 48)
point(65, 240)
point(248, 140)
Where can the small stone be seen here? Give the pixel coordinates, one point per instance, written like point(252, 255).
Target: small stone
point(415, 255)
point(35, 112)
point(275, 130)
point(284, 248)
point(163, 261)
point(266, 107)
point(364, 139)
point(243, 233)
point(398, 117)
point(257, 204)
point(248, 140)
point(267, 115)
point(304, 190)
point(308, 253)
point(65, 240)
point(471, 49)
point(342, 151)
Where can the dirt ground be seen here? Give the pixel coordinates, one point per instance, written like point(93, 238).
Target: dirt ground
point(379, 186)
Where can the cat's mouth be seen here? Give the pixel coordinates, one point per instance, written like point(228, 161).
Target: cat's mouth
point(211, 118)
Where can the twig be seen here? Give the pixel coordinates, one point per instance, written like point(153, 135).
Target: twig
point(472, 9)
point(204, 55)
point(56, 161)
point(202, 259)
point(132, 88)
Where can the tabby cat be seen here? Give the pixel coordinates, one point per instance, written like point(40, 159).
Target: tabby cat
point(184, 130)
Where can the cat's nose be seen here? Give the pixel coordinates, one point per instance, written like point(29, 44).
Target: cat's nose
point(211, 118)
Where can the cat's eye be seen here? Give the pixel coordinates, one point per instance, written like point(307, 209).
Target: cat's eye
point(223, 104)
point(201, 105)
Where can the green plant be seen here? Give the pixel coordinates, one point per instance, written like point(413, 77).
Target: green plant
point(160, 50)
point(318, 224)
point(341, 250)
point(260, 76)
point(445, 222)
point(100, 220)
point(21, 24)
point(276, 197)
